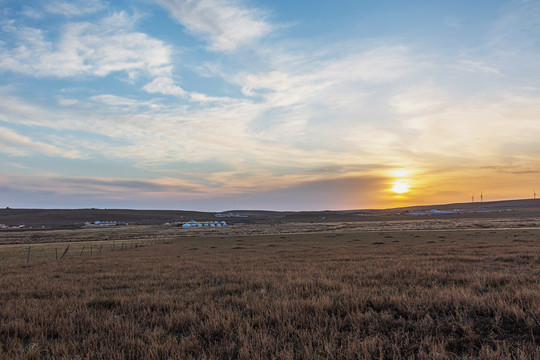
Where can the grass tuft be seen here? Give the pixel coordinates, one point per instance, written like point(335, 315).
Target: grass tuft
point(103, 303)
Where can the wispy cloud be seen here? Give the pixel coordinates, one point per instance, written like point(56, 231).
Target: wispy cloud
point(478, 66)
point(324, 78)
point(16, 144)
point(124, 103)
point(67, 102)
point(73, 8)
point(83, 48)
point(452, 22)
point(317, 192)
point(473, 129)
point(225, 24)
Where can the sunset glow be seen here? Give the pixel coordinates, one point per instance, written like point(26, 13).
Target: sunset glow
point(215, 105)
point(400, 187)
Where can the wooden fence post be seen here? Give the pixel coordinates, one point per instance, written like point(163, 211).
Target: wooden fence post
point(81, 251)
point(28, 257)
point(90, 249)
point(65, 252)
point(56, 251)
point(100, 246)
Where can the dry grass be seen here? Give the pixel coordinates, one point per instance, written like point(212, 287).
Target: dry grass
point(380, 295)
point(18, 253)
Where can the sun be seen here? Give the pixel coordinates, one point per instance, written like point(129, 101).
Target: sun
point(400, 187)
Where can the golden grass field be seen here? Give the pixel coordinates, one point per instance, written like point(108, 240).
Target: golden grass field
point(263, 292)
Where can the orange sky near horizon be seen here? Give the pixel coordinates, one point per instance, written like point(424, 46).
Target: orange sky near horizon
point(457, 187)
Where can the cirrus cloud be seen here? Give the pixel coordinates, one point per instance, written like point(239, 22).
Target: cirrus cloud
point(16, 144)
point(224, 24)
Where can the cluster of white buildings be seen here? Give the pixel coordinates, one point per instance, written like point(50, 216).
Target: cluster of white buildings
point(230, 215)
point(106, 223)
point(193, 223)
point(434, 212)
point(5, 227)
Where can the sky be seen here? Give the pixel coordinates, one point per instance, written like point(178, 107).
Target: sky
point(278, 105)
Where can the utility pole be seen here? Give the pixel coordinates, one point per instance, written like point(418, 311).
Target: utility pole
point(481, 197)
point(472, 198)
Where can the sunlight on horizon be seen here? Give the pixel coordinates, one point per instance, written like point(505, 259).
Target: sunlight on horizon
point(400, 187)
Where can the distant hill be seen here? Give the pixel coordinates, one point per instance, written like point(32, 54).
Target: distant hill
point(522, 204)
point(70, 218)
point(76, 217)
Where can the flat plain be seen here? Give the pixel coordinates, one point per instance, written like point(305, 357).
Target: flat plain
point(371, 290)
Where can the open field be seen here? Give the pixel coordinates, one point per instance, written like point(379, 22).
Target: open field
point(250, 294)
point(46, 244)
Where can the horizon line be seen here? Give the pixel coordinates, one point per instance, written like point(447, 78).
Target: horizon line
point(265, 210)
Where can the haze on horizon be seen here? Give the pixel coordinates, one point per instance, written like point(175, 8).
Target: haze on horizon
point(249, 104)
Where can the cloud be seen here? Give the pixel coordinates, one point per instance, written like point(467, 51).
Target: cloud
point(468, 130)
point(477, 66)
point(83, 48)
point(31, 12)
point(104, 185)
point(164, 85)
point(125, 103)
point(421, 99)
point(20, 145)
point(297, 99)
point(225, 24)
point(73, 8)
point(97, 50)
point(314, 193)
point(67, 102)
point(452, 22)
point(323, 78)
point(116, 188)
point(292, 114)
point(278, 125)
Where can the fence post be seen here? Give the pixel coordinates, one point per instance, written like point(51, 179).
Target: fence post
point(56, 251)
point(81, 251)
point(28, 257)
point(65, 252)
point(122, 246)
point(90, 249)
point(100, 246)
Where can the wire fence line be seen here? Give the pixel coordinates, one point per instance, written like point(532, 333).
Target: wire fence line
point(18, 253)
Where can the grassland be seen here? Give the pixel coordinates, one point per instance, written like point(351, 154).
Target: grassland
point(233, 294)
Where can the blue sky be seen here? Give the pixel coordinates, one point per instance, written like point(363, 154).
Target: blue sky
point(214, 105)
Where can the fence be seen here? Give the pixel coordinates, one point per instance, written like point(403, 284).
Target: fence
point(17, 253)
